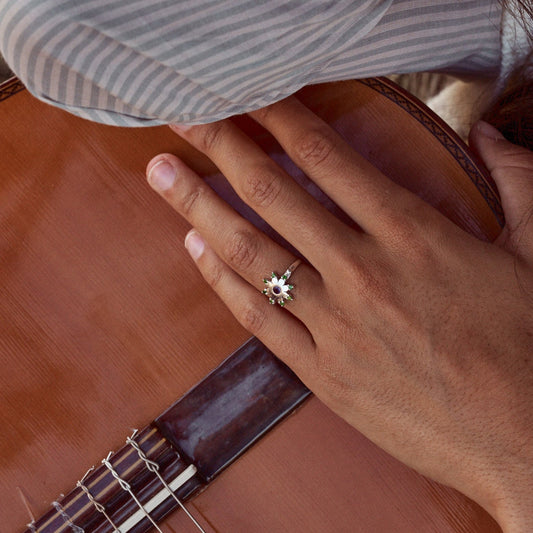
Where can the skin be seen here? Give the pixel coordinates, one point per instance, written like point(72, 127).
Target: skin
point(412, 330)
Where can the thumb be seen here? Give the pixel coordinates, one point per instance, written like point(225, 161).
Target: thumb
point(511, 167)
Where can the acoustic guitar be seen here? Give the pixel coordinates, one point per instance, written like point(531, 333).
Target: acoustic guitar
point(106, 327)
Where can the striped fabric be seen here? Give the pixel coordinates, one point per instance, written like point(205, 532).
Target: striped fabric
point(147, 62)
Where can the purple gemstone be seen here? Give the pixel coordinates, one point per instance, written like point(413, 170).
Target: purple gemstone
point(276, 289)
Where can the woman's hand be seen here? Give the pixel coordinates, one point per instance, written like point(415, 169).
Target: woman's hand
point(415, 332)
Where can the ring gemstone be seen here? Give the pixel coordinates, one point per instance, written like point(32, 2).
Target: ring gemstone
point(277, 289)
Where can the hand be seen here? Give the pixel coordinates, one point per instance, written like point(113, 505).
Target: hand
point(416, 333)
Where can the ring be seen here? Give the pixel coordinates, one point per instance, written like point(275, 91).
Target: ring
point(277, 289)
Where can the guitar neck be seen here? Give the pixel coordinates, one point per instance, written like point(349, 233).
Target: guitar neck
point(183, 449)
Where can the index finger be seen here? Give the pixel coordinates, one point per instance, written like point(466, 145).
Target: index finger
point(270, 191)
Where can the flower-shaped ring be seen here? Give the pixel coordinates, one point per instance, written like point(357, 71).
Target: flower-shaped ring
point(277, 289)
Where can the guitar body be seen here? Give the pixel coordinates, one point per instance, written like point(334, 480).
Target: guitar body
point(105, 321)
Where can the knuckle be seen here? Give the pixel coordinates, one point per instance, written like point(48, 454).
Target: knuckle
point(242, 250)
point(252, 317)
point(405, 214)
point(314, 148)
point(327, 368)
point(406, 228)
point(342, 322)
point(190, 200)
point(421, 254)
point(335, 377)
point(403, 231)
point(414, 244)
point(210, 137)
point(517, 157)
point(370, 281)
point(262, 188)
point(515, 163)
point(213, 275)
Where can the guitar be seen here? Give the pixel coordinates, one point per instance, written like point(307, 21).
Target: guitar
point(105, 322)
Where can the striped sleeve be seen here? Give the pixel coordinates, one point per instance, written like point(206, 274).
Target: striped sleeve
point(142, 62)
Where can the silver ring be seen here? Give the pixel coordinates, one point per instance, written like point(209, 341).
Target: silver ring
point(277, 289)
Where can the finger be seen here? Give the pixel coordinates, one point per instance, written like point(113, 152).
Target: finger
point(511, 167)
point(282, 333)
point(359, 188)
point(245, 249)
point(269, 191)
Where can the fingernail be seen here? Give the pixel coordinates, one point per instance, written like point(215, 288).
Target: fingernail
point(162, 176)
point(195, 244)
point(489, 131)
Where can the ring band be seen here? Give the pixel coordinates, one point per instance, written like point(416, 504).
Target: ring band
point(277, 289)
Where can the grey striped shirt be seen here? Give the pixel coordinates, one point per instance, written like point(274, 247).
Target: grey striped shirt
point(142, 62)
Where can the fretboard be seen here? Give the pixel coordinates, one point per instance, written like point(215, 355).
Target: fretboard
point(182, 450)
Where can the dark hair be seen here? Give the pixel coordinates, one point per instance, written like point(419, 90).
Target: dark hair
point(512, 111)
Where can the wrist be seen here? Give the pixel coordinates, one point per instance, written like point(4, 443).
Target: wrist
point(518, 520)
point(512, 508)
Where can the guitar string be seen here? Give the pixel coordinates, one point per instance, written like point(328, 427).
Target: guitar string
point(125, 456)
point(152, 466)
point(127, 487)
point(31, 524)
point(99, 507)
point(103, 474)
